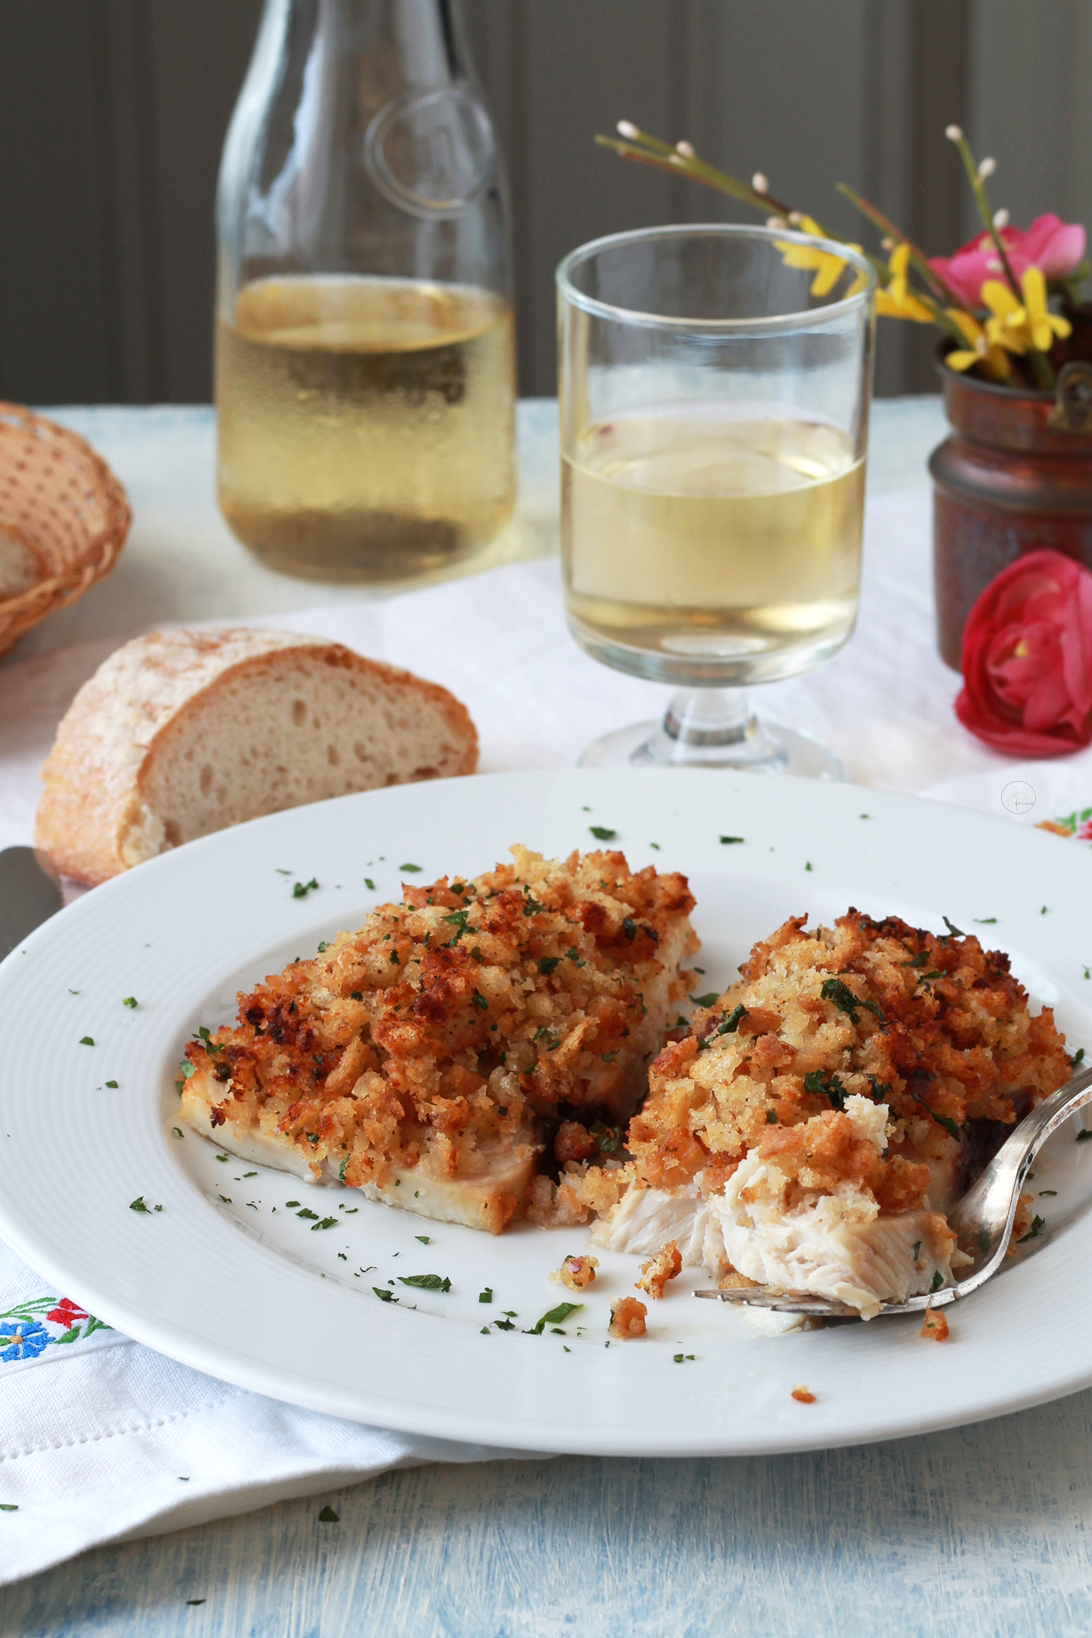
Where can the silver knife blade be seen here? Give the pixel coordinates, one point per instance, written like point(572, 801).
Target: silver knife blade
point(29, 893)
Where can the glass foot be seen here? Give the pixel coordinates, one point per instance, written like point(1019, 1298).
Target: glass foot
point(714, 728)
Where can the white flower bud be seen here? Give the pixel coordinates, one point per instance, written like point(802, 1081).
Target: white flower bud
point(1000, 218)
point(795, 218)
point(887, 243)
point(954, 133)
point(776, 222)
point(686, 149)
point(981, 346)
point(626, 129)
point(986, 169)
point(760, 183)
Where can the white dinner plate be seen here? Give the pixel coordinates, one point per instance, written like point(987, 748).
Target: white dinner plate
point(222, 1273)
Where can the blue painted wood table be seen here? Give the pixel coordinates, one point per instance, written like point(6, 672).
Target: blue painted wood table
point(976, 1532)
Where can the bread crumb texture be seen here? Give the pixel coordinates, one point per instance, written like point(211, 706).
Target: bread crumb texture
point(182, 733)
point(627, 1318)
point(435, 1051)
point(935, 1327)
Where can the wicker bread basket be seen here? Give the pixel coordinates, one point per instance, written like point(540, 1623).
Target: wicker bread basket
point(63, 503)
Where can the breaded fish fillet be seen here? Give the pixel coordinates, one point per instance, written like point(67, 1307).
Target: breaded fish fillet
point(813, 1126)
point(432, 1058)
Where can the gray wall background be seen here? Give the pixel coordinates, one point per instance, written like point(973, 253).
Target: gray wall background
point(112, 114)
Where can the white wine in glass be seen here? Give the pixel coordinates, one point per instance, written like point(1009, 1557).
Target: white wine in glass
point(714, 415)
point(694, 534)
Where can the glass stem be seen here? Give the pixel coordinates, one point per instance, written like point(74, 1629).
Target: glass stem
point(715, 726)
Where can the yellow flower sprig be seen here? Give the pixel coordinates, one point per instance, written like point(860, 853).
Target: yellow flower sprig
point(993, 222)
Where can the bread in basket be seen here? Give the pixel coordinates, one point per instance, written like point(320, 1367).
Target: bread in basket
point(63, 520)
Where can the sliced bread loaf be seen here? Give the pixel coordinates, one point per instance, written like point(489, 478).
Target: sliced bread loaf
point(183, 732)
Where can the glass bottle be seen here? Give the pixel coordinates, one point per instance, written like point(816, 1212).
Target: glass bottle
point(365, 368)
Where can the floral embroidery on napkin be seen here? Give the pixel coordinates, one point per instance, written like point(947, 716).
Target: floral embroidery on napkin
point(1077, 825)
point(31, 1327)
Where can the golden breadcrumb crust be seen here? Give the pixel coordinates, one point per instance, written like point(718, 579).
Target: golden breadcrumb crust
point(474, 1017)
point(627, 1318)
point(933, 1026)
point(665, 1265)
point(576, 1272)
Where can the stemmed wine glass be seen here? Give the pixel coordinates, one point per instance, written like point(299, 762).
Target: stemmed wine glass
point(714, 394)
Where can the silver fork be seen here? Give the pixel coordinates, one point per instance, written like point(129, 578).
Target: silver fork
point(982, 1221)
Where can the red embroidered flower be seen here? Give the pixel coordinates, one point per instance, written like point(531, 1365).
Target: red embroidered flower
point(66, 1313)
point(1027, 658)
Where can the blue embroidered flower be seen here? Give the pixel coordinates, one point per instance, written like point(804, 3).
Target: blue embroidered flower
point(26, 1339)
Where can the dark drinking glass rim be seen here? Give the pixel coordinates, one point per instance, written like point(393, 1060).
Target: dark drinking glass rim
point(804, 318)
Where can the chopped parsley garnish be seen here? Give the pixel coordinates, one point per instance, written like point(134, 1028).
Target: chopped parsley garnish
point(224, 1158)
point(771, 1117)
point(177, 1130)
point(328, 1516)
point(504, 1325)
point(460, 920)
point(986, 921)
point(301, 889)
point(938, 1281)
point(949, 1125)
point(486, 1295)
point(369, 884)
point(678, 1358)
point(920, 960)
point(554, 1317)
point(1043, 911)
point(326, 1222)
point(819, 1084)
point(844, 999)
point(607, 1138)
point(411, 869)
point(9, 1507)
point(571, 955)
point(130, 1001)
point(89, 1040)
point(291, 1202)
point(424, 1239)
point(546, 965)
point(312, 1216)
point(603, 833)
point(384, 1296)
point(1073, 1062)
point(426, 1282)
point(323, 946)
point(808, 865)
point(609, 1057)
point(226, 1198)
point(394, 961)
point(729, 839)
point(705, 1000)
point(479, 1001)
point(250, 1174)
point(113, 1085)
point(1047, 1193)
point(138, 1204)
point(733, 1020)
point(629, 927)
point(917, 1248)
point(956, 932)
point(656, 845)
point(356, 995)
point(1037, 1226)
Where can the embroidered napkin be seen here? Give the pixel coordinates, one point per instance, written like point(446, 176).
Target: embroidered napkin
point(101, 1438)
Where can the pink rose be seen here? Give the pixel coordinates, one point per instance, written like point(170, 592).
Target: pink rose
point(1027, 658)
point(1053, 246)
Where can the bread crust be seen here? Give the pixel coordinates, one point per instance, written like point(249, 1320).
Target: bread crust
point(125, 717)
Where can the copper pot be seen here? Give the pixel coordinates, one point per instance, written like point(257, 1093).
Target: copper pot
point(1014, 476)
